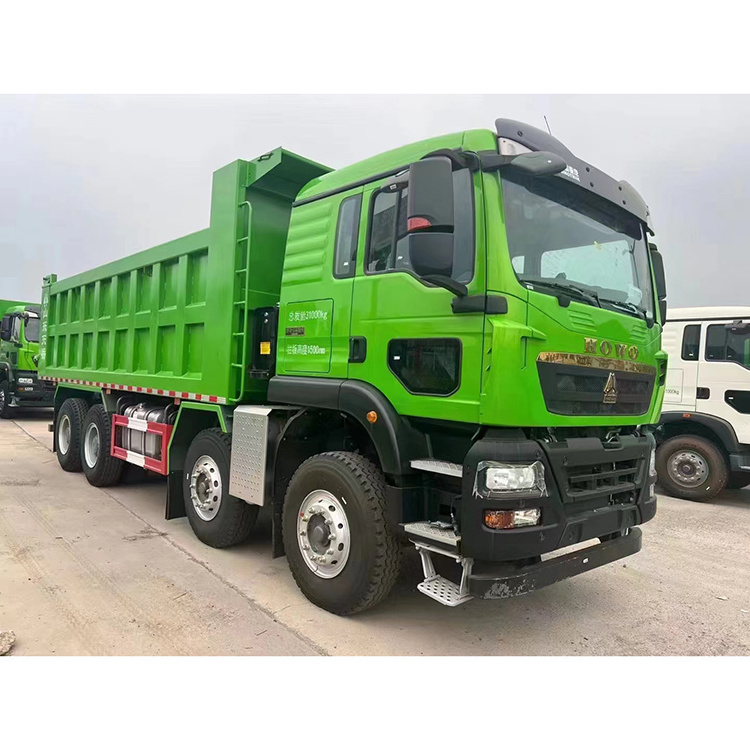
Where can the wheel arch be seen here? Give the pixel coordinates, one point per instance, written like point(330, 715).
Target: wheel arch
point(717, 430)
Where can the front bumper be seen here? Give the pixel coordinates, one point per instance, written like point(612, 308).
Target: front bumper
point(529, 578)
point(40, 393)
point(593, 489)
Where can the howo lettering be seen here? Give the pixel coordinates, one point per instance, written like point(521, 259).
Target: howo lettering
point(387, 356)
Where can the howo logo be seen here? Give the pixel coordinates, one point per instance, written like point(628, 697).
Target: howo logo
point(605, 348)
point(610, 390)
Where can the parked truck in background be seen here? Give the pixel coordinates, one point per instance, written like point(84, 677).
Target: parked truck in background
point(19, 359)
point(454, 345)
point(704, 438)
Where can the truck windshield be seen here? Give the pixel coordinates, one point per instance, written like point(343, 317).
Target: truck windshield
point(31, 329)
point(562, 237)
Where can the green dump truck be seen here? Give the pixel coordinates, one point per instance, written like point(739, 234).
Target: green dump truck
point(19, 359)
point(454, 346)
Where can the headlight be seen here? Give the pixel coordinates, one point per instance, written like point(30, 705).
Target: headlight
point(25, 381)
point(499, 479)
point(652, 463)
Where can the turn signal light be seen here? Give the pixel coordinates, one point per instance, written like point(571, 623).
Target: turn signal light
point(511, 519)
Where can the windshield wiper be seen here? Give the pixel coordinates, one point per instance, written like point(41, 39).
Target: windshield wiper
point(629, 306)
point(587, 296)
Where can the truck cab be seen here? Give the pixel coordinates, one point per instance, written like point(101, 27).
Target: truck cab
point(19, 360)
point(704, 437)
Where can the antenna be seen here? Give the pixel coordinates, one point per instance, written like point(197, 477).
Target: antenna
point(547, 124)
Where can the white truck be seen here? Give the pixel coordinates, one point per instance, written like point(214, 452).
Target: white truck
point(704, 439)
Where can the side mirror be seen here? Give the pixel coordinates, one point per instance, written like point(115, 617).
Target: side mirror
point(5, 327)
point(430, 222)
point(661, 281)
point(430, 201)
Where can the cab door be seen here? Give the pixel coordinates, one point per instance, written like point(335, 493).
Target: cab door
point(406, 339)
point(682, 342)
point(724, 373)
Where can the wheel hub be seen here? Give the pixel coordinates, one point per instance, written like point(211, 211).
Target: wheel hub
point(688, 468)
point(206, 488)
point(91, 445)
point(323, 533)
point(64, 434)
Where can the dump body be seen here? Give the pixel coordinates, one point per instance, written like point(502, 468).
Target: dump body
point(177, 318)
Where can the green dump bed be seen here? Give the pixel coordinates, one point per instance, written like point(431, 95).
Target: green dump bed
point(177, 318)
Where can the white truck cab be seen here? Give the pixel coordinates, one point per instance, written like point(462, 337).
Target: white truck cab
point(704, 440)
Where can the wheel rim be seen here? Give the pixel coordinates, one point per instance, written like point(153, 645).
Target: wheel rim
point(688, 468)
point(64, 433)
point(323, 533)
point(91, 445)
point(206, 488)
point(2, 398)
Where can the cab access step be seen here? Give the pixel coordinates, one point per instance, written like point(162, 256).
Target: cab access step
point(505, 581)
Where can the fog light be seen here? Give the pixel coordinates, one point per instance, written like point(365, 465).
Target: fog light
point(511, 519)
point(494, 479)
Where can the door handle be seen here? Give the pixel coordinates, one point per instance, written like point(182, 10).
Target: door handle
point(357, 349)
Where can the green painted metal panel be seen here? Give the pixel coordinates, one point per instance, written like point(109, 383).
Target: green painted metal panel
point(178, 317)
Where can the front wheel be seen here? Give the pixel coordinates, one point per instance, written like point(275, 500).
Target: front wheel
point(341, 552)
point(217, 518)
point(691, 467)
point(5, 407)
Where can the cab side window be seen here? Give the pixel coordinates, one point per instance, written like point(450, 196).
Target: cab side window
point(387, 248)
point(691, 339)
point(15, 334)
point(725, 345)
point(347, 232)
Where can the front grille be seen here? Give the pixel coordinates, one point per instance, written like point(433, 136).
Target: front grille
point(574, 390)
point(591, 474)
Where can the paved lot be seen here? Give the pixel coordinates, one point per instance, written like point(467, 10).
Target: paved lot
point(84, 570)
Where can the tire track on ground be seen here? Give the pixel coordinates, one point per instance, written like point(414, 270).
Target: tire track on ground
point(155, 627)
point(78, 621)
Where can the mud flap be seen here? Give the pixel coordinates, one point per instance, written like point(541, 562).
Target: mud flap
point(175, 497)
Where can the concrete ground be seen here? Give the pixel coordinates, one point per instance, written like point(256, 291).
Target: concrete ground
point(90, 571)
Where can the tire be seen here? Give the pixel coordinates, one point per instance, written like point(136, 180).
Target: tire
point(344, 494)
point(218, 520)
point(5, 408)
point(68, 432)
point(737, 480)
point(691, 467)
point(100, 467)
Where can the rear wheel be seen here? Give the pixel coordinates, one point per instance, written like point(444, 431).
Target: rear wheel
point(100, 467)
point(5, 408)
point(691, 467)
point(341, 552)
point(68, 431)
point(217, 518)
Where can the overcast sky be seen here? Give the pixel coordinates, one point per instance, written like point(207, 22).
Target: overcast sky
point(85, 180)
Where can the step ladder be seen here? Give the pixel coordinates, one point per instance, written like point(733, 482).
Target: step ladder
point(440, 539)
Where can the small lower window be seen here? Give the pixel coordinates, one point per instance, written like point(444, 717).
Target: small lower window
point(691, 339)
point(430, 367)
